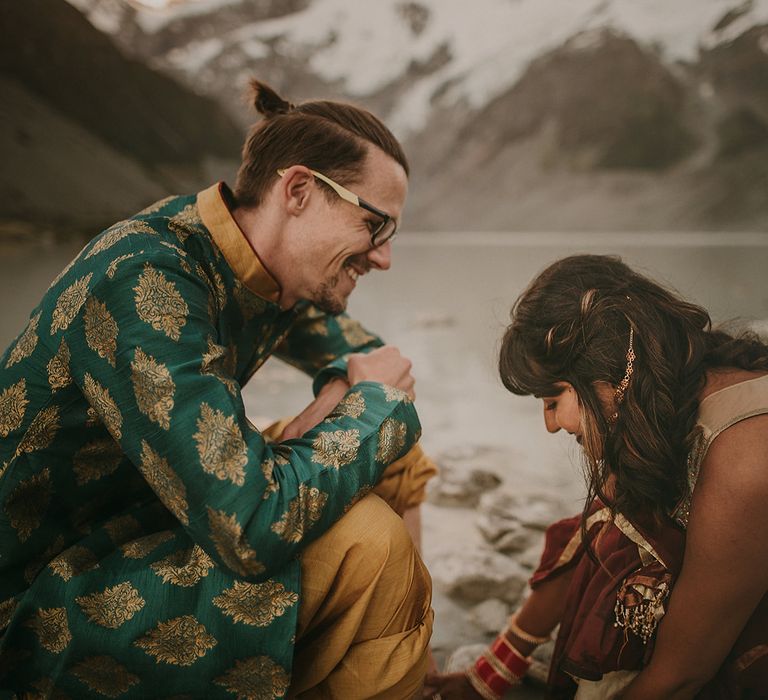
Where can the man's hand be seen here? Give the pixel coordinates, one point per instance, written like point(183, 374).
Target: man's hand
point(326, 401)
point(385, 365)
point(449, 686)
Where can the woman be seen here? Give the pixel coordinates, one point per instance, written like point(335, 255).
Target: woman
point(672, 417)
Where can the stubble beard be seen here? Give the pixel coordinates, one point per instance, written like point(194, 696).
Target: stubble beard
point(326, 299)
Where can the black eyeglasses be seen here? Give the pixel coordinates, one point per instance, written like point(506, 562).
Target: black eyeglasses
point(381, 232)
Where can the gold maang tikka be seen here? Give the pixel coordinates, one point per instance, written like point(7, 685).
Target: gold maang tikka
point(618, 396)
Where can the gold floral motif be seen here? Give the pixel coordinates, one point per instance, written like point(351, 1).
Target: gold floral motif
point(52, 629)
point(13, 405)
point(392, 393)
point(156, 207)
point(96, 459)
point(179, 641)
point(303, 512)
point(255, 678)
point(216, 283)
point(122, 528)
point(153, 388)
point(6, 612)
point(26, 343)
point(336, 448)
point(100, 330)
point(104, 406)
point(165, 482)
point(268, 468)
point(28, 503)
point(37, 563)
point(41, 431)
point(174, 248)
point(185, 567)
point(116, 233)
point(69, 303)
point(112, 269)
point(104, 675)
point(220, 363)
point(140, 548)
point(352, 405)
point(73, 562)
point(220, 445)
point(227, 536)
point(58, 368)
point(113, 606)
point(391, 440)
point(186, 222)
point(255, 604)
point(48, 690)
point(159, 303)
point(250, 304)
point(353, 332)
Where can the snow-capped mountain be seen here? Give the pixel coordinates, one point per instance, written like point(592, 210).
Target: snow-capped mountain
point(672, 95)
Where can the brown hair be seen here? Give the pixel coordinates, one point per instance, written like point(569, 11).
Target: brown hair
point(330, 137)
point(572, 324)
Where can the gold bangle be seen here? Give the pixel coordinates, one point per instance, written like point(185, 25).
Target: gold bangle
point(521, 634)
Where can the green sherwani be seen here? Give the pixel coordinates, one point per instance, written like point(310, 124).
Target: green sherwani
point(149, 536)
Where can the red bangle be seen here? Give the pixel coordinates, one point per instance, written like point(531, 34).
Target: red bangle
point(499, 668)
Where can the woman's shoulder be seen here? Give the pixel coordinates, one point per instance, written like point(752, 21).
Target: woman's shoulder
point(720, 378)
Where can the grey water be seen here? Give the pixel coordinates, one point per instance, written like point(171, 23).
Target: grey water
point(445, 303)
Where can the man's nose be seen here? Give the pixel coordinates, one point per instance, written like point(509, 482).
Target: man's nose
point(381, 256)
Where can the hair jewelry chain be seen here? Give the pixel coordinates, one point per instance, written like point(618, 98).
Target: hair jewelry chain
point(618, 397)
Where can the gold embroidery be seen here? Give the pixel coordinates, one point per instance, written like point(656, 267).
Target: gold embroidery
point(73, 562)
point(112, 269)
point(69, 303)
point(165, 482)
point(250, 304)
point(28, 503)
point(35, 565)
point(41, 432)
point(303, 512)
point(156, 207)
point(179, 641)
point(186, 222)
point(13, 405)
point(100, 330)
point(220, 445)
point(96, 459)
point(116, 233)
point(185, 567)
point(6, 612)
point(267, 468)
point(255, 678)
point(51, 627)
point(58, 368)
point(104, 406)
point(153, 387)
point(352, 405)
point(26, 344)
point(159, 303)
point(122, 528)
point(336, 448)
point(227, 536)
point(140, 548)
point(220, 363)
point(353, 332)
point(175, 248)
point(392, 393)
point(104, 675)
point(112, 607)
point(391, 440)
point(218, 289)
point(255, 604)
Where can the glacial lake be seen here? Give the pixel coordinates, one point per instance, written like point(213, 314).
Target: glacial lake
point(445, 303)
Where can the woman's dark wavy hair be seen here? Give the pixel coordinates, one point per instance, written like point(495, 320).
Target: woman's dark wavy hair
point(572, 324)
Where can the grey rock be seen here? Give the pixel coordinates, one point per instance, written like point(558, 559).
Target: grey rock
point(460, 483)
point(490, 615)
point(463, 657)
point(479, 575)
point(501, 509)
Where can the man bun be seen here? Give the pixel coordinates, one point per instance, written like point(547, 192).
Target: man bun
point(267, 101)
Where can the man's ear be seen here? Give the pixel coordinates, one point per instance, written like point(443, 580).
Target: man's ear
point(296, 188)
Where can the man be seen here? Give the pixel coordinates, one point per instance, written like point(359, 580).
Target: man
point(153, 542)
